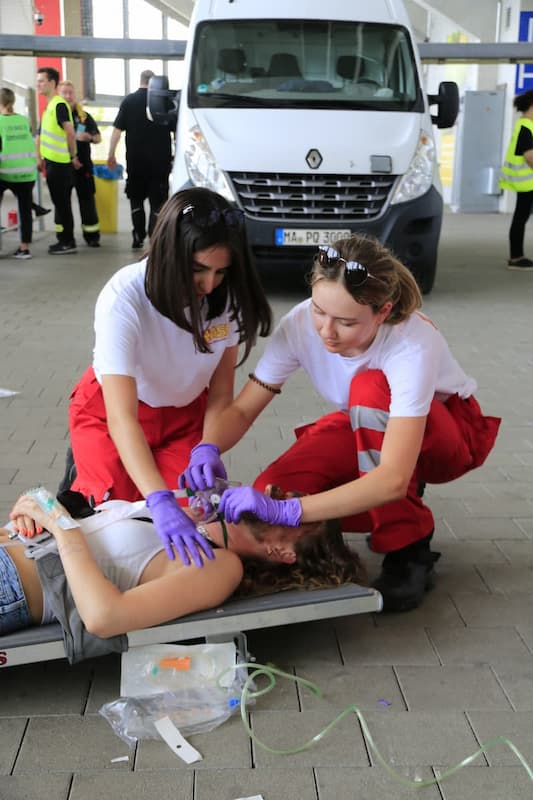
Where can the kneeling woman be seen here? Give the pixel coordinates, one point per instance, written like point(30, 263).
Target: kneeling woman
point(119, 578)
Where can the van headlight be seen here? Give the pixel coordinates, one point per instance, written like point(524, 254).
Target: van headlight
point(202, 167)
point(419, 177)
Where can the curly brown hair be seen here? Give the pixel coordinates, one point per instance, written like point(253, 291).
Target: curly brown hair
point(323, 560)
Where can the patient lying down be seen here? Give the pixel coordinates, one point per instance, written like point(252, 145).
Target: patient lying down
point(121, 579)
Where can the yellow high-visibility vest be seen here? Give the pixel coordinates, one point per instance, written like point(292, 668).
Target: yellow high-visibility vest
point(54, 145)
point(18, 162)
point(517, 175)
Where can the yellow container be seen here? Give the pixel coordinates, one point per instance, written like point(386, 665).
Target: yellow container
point(106, 197)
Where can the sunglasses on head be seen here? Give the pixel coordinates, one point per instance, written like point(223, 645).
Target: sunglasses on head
point(355, 274)
point(206, 217)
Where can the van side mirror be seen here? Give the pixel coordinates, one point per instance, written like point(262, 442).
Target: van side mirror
point(448, 102)
point(162, 103)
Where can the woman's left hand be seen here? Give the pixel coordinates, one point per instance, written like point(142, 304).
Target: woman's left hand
point(245, 498)
point(28, 517)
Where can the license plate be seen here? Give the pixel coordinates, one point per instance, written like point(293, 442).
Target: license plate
point(309, 236)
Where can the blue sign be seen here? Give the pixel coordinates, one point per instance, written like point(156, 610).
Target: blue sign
point(524, 72)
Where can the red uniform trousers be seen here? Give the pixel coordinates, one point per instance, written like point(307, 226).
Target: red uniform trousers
point(339, 448)
point(170, 432)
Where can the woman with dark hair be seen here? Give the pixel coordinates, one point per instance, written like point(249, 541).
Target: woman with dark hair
point(406, 414)
point(517, 176)
point(107, 573)
point(168, 329)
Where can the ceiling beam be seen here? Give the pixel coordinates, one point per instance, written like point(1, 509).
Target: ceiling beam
point(89, 47)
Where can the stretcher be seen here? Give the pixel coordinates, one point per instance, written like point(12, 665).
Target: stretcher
point(230, 620)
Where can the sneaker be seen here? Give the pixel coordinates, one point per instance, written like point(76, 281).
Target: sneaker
point(22, 254)
point(520, 264)
point(137, 243)
point(60, 248)
point(406, 575)
point(40, 211)
point(93, 243)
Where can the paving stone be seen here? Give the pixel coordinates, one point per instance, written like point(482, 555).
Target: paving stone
point(492, 610)
point(451, 688)
point(343, 746)
point(346, 783)
point(39, 786)
point(387, 645)
point(69, 744)
point(490, 783)
point(476, 645)
point(11, 734)
point(367, 687)
point(163, 785)
point(290, 645)
point(67, 688)
point(512, 725)
point(484, 527)
point(273, 784)
point(225, 747)
point(509, 579)
point(517, 682)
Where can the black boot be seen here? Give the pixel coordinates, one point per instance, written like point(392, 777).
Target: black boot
point(406, 575)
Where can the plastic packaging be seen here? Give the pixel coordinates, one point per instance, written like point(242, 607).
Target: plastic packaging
point(103, 171)
point(197, 686)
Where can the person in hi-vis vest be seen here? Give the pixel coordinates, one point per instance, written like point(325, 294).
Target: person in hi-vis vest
point(517, 176)
point(58, 155)
point(18, 166)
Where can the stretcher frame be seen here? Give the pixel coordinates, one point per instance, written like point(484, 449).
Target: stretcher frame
point(45, 643)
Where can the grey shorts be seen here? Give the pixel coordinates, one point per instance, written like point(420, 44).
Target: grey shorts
point(14, 612)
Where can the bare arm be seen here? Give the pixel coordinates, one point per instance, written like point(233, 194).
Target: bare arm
point(221, 387)
point(227, 428)
point(120, 398)
point(106, 611)
point(389, 481)
point(113, 142)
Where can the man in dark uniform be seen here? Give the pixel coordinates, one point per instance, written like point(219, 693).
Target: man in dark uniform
point(148, 158)
point(87, 132)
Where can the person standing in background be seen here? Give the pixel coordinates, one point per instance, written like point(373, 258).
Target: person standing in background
point(58, 155)
point(18, 166)
point(87, 132)
point(148, 159)
point(517, 176)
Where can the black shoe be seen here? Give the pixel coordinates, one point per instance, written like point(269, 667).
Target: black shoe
point(406, 575)
point(522, 264)
point(61, 248)
point(22, 254)
point(93, 243)
point(137, 242)
point(40, 211)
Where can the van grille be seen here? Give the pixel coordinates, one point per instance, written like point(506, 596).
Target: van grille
point(312, 197)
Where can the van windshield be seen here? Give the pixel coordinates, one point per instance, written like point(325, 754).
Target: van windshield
point(275, 63)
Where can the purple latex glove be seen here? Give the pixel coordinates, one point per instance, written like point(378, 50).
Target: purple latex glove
point(245, 498)
point(175, 529)
point(205, 465)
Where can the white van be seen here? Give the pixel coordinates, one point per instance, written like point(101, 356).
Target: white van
point(309, 115)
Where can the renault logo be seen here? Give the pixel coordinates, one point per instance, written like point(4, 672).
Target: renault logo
point(313, 158)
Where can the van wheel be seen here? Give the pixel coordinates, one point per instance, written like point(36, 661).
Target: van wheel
point(425, 275)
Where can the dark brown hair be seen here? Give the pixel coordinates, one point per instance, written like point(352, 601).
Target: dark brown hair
point(523, 101)
point(323, 559)
point(7, 98)
point(51, 73)
point(169, 281)
point(389, 280)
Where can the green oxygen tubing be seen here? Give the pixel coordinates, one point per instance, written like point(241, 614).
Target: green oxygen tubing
point(270, 671)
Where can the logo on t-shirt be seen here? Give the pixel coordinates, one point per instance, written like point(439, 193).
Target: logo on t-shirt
point(216, 333)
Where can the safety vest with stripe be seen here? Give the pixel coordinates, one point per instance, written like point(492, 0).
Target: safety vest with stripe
point(18, 161)
point(54, 145)
point(517, 175)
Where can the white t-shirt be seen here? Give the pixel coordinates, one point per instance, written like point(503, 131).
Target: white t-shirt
point(133, 338)
point(413, 355)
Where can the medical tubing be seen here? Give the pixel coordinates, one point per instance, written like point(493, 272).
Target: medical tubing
point(270, 671)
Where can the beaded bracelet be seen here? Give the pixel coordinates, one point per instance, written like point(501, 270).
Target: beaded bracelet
point(264, 385)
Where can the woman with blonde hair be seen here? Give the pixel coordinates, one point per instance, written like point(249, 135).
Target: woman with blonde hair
point(406, 414)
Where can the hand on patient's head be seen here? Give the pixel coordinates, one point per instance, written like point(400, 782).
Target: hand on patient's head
point(236, 501)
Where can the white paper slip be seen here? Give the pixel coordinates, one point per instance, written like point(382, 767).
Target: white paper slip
point(254, 797)
point(7, 393)
point(177, 743)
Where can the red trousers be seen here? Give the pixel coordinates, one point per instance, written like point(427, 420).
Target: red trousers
point(339, 448)
point(170, 432)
